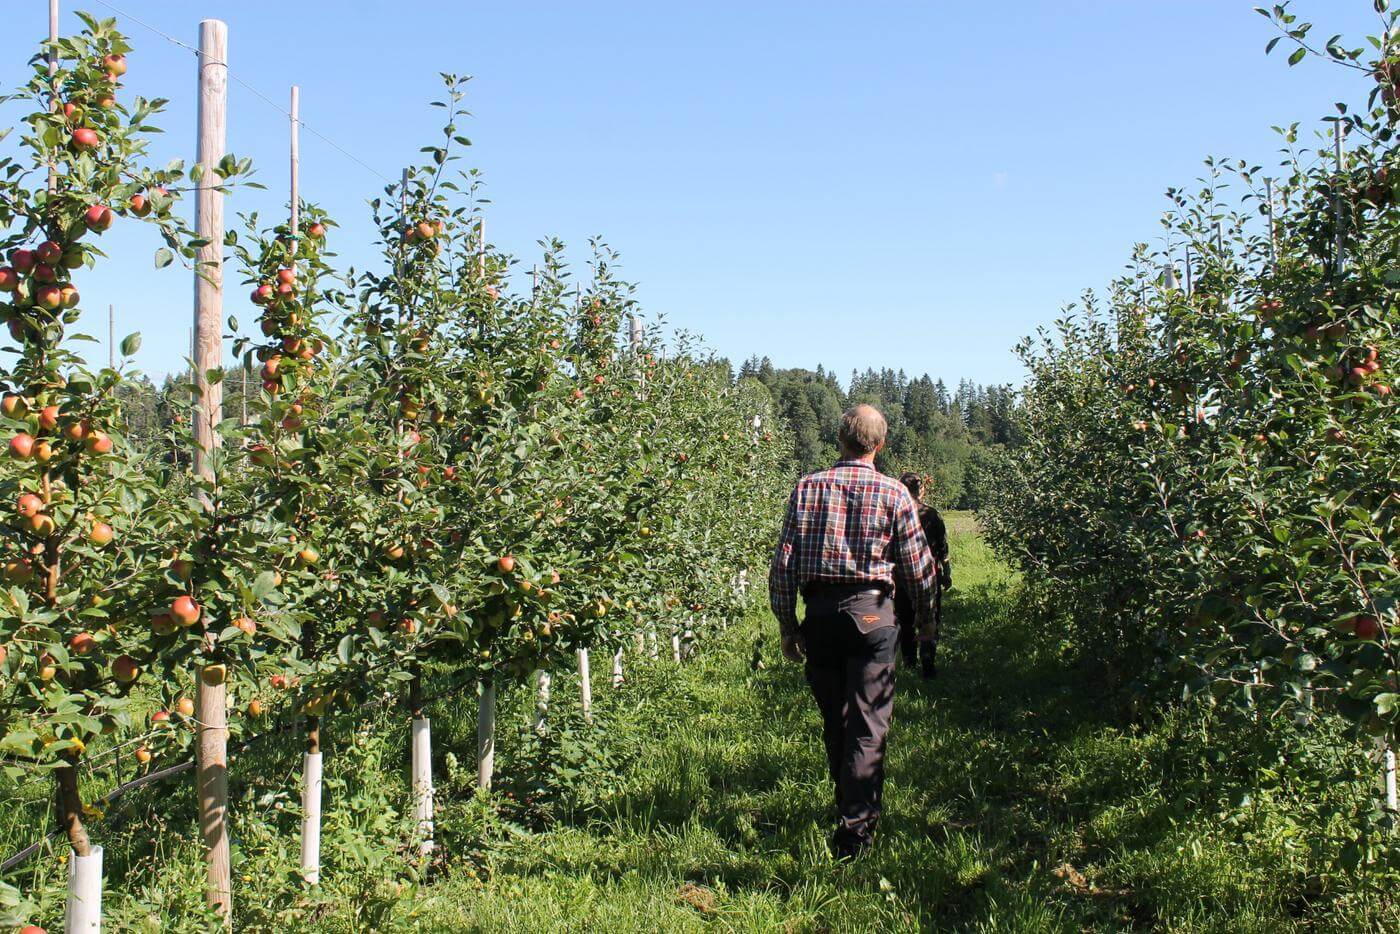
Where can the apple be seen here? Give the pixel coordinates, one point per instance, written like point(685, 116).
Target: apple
point(1365, 627)
point(32, 929)
point(505, 564)
point(317, 231)
point(106, 102)
point(425, 230)
point(23, 261)
point(185, 707)
point(160, 717)
point(79, 430)
point(407, 626)
point(185, 611)
point(308, 557)
point(81, 644)
point(279, 682)
point(48, 417)
point(9, 279)
point(50, 297)
point(98, 218)
point(22, 446)
point(99, 442)
point(255, 708)
point(287, 276)
point(49, 252)
point(100, 534)
point(29, 505)
point(291, 423)
point(142, 754)
point(263, 294)
point(140, 206)
point(85, 138)
point(124, 669)
point(182, 568)
point(18, 571)
point(271, 367)
point(245, 624)
point(14, 406)
point(1357, 375)
point(114, 65)
point(41, 525)
point(43, 452)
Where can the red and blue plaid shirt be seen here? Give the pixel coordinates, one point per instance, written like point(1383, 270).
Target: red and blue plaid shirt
point(848, 525)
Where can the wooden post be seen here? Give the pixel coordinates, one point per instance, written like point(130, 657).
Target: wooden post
point(1339, 249)
point(211, 714)
point(542, 681)
point(1269, 211)
point(617, 677)
point(53, 69)
point(111, 337)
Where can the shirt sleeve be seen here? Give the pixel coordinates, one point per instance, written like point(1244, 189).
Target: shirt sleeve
point(915, 567)
point(782, 573)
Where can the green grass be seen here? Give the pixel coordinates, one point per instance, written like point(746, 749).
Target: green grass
point(1017, 800)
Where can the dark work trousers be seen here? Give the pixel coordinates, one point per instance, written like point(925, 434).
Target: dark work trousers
point(850, 639)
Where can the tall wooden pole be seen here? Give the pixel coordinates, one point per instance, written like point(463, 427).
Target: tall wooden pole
point(111, 337)
point(53, 70)
point(211, 714)
point(1339, 250)
point(1269, 196)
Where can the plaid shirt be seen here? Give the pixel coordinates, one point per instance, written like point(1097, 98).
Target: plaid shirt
point(851, 524)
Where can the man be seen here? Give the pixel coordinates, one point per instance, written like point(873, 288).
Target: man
point(849, 535)
point(913, 648)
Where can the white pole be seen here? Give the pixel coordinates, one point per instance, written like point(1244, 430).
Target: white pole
point(423, 783)
point(84, 909)
point(311, 818)
point(295, 116)
point(486, 736)
point(1390, 797)
point(651, 643)
point(111, 337)
point(617, 668)
point(1340, 247)
point(641, 641)
point(585, 685)
point(211, 713)
point(542, 680)
point(676, 645)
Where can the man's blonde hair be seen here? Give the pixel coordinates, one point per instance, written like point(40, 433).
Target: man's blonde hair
point(863, 429)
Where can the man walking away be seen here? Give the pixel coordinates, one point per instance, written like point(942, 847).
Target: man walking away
point(911, 646)
point(849, 535)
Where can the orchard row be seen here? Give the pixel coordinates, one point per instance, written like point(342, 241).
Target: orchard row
point(1208, 481)
point(434, 469)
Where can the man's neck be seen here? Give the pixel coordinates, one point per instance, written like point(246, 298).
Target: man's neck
point(867, 459)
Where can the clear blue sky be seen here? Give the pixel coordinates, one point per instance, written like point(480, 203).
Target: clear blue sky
point(904, 184)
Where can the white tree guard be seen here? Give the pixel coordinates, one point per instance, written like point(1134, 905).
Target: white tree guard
point(542, 681)
point(84, 910)
point(423, 783)
point(311, 818)
point(486, 736)
point(1388, 757)
point(617, 668)
point(651, 643)
point(676, 645)
point(585, 685)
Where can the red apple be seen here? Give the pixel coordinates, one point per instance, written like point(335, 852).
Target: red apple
point(22, 446)
point(99, 442)
point(23, 261)
point(140, 206)
point(85, 138)
point(29, 505)
point(101, 534)
point(9, 279)
point(184, 610)
point(185, 707)
point(505, 564)
point(124, 669)
point(49, 252)
point(81, 643)
point(317, 231)
point(98, 218)
point(48, 417)
point(50, 297)
point(287, 276)
point(114, 65)
point(246, 625)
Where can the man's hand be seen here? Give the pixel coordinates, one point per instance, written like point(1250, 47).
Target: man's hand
point(792, 648)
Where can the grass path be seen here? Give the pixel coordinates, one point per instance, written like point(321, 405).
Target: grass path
point(1011, 805)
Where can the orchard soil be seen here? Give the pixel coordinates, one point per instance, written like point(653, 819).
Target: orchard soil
point(1019, 799)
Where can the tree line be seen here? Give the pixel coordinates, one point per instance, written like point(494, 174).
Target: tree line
point(946, 435)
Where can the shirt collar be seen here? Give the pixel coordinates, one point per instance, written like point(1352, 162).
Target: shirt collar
point(854, 463)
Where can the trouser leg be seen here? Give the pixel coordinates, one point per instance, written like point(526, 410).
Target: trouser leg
point(869, 701)
point(908, 643)
point(828, 684)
